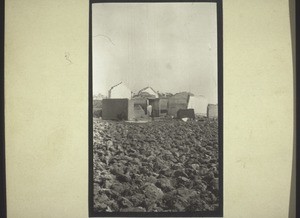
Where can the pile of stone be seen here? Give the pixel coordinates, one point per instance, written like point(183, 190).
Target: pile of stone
point(160, 166)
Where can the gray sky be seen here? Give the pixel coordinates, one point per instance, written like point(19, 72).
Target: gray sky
point(171, 47)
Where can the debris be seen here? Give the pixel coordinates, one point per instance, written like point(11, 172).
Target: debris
point(159, 166)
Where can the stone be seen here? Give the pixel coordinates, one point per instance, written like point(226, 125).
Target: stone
point(176, 170)
point(152, 192)
point(169, 199)
point(118, 187)
point(184, 192)
point(195, 166)
point(166, 172)
point(137, 199)
point(179, 173)
point(124, 202)
point(164, 184)
point(100, 202)
point(133, 209)
point(184, 179)
point(151, 179)
point(100, 206)
point(123, 177)
point(97, 188)
point(179, 207)
point(214, 183)
point(116, 170)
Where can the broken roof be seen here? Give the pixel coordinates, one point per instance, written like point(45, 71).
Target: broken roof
point(147, 88)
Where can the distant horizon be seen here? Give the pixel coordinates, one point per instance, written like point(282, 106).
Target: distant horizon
point(171, 47)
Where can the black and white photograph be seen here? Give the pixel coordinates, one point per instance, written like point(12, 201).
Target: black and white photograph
point(156, 80)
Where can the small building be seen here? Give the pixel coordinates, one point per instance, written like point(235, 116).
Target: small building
point(117, 109)
point(119, 91)
point(212, 111)
point(199, 104)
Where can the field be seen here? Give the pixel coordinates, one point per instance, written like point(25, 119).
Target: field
point(160, 166)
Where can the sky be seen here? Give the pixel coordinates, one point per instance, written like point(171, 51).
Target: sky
point(171, 47)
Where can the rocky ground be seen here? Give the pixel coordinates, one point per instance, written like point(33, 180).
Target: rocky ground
point(160, 166)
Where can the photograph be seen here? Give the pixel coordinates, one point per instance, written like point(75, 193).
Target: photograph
point(156, 141)
point(163, 108)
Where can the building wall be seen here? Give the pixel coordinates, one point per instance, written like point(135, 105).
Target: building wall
point(114, 109)
point(212, 110)
point(186, 113)
point(131, 114)
point(163, 105)
point(120, 91)
point(155, 107)
point(176, 103)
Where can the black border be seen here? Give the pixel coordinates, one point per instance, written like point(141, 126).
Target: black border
point(296, 47)
point(3, 212)
point(292, 200)
point(219, 212)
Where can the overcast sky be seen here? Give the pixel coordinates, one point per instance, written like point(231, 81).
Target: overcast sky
point(171, 47)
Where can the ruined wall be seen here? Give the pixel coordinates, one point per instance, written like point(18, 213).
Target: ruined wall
point(176, 103)
point(142, 102)
point(155, 107)
point(116, 109)
point(150, 91)
point(131, 114)
point(139, 112)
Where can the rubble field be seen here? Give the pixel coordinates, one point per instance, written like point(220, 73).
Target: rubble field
point(159, 166)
